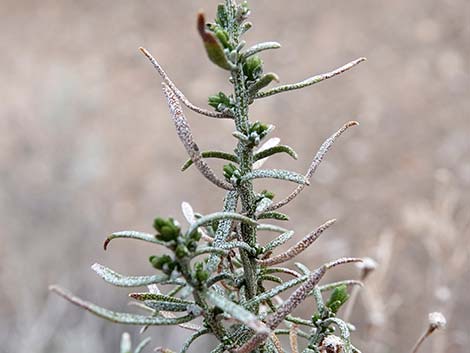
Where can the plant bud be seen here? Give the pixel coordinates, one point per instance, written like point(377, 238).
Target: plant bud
point(253, 68)
point(214, 48)
point(338, 297)
point(163, 262)
point(181, 251)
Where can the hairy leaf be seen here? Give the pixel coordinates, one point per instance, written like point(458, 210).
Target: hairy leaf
point(237, 312)
point(122, 318)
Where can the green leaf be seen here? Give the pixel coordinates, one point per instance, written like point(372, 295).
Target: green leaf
point(119, 280)
point(272, 278)
point(262, 204)
point(164, 263)
point(262, 82)
point(237, 244)
point(338, 297)
point(253, 68)
point(122, 318)
point(212, 154)
point(309, 81)
point(168, 229)
point(159, 297)
point(273, 150)
point(224, 228)
point(159, 302)
point(237, 312)
point(193, 337)
point(130, 234)
point(221, 102)
point(275, 291)
point(281, 239)
point(214, 48)
point(276, 174)
point(255, 49)
point(220, 216)
point(271, 228)
point(274, 215)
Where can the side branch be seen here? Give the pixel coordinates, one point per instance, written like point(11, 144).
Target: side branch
point(178, 93)
point(309, 81)
point(297, 248)
point(186, 137)
point(324, 148)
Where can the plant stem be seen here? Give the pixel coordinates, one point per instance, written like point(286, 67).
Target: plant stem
point(245, 157)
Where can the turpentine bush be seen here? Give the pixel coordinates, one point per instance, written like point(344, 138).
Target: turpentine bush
point(212, 277)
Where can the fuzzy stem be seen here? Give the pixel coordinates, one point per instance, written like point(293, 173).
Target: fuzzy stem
point(245, 157)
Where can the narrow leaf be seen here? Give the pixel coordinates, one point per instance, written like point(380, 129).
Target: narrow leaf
point(275, 291)
point(214, 49)
point(237, 312)
point(274, 141)
point(224, 228)
point(193, 337)
point(122, 318)
point(324, 148)
point(159, 297)
point(239, 245)
point(131, 234)
point(212, 154)
point(255, 49)
point(119, 280)
point(184, 133)
point(263, 204)
point(295, 298)
point(179, 94)
point(297, 248)
point(281, 239)
point(274, 215)
point(220, 216)
point(276, 174)
point(310, 81)
point(271, 228)
point(262, 82)
point(273, 150)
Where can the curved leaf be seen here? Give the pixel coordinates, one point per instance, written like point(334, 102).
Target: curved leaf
point(276, 149)
point(220, 216)
point(119, 280)
point(212, 154)
point(131, 234)
point(255, 49)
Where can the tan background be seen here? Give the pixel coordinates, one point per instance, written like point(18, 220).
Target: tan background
point(87, 147)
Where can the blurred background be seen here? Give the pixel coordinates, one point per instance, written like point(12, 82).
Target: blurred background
point(87, 148)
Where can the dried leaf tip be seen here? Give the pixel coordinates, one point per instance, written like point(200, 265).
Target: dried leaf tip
point(351, 123)
point(145, 52)
point(201, 27)
point(342, 261)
